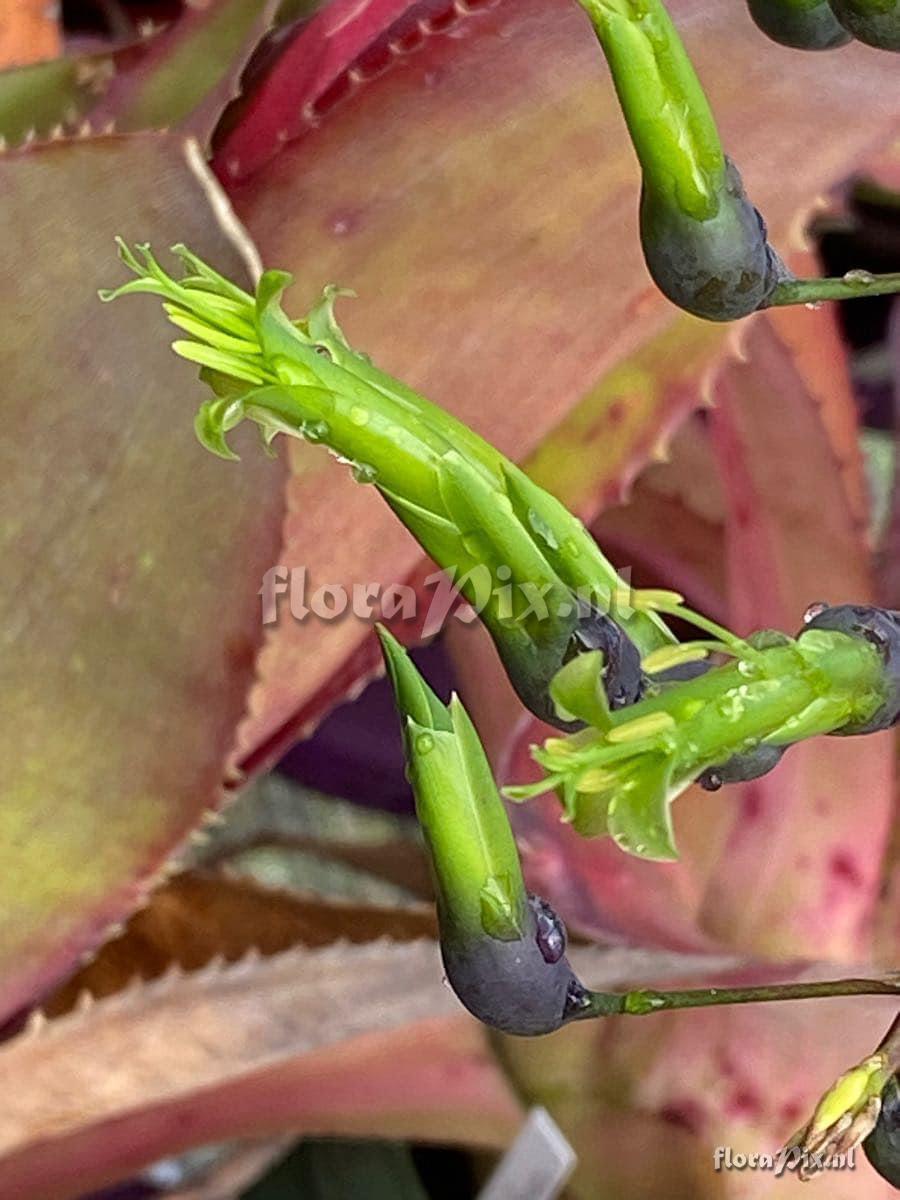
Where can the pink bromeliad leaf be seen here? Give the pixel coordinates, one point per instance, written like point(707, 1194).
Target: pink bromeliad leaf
point(130, 635)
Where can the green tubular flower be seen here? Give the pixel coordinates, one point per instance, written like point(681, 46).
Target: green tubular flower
point(536, 577)
point(800, 24)
point(875, 22)
point(704, 242)
point(619, 776)
point(503, 949)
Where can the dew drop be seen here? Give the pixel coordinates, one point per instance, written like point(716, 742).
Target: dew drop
point(364, 472)
point(731, 706)
point(316, 431)
point(550, 932)
point(424, 743)
point(543, 529)
point(358, 415)
point(814, 610)
point(476, 545)
point(863, 278)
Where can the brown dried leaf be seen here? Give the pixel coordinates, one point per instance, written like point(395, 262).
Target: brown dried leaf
point(201, 916)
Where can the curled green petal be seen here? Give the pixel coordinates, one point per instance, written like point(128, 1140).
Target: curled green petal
point(214, 420)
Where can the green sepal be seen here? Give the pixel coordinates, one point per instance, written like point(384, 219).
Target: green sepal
point(639, 815)
point(578, 692)
point(576, 558)
point(214, 420)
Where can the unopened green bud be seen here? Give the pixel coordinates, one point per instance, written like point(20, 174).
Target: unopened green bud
point(503, 948)
point(704, 243)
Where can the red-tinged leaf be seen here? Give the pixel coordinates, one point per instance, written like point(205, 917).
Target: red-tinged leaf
point(315, 65)
point(184, 77)
point(201, 916)
point(44, 97)
point(352, 1040)
point(490, 232)
point(801, 868)
point(29, 32)
point(355, 1040)
point(130, 634)
point(651, 1099)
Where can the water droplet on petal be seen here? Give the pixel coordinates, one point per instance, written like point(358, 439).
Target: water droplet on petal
point(731, 706)
point(316, 431)
point(550, 933)
point(424, 743)
point(364, 472)
point(359, 415)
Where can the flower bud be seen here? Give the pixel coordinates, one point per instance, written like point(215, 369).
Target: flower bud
point(503, 948)
point(704, 243)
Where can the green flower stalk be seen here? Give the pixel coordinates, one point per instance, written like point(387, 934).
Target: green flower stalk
point(503, 948)
point(529, 567)
point(619, 776)
point(800, 24)
point(875, 22)
point(704, 243)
